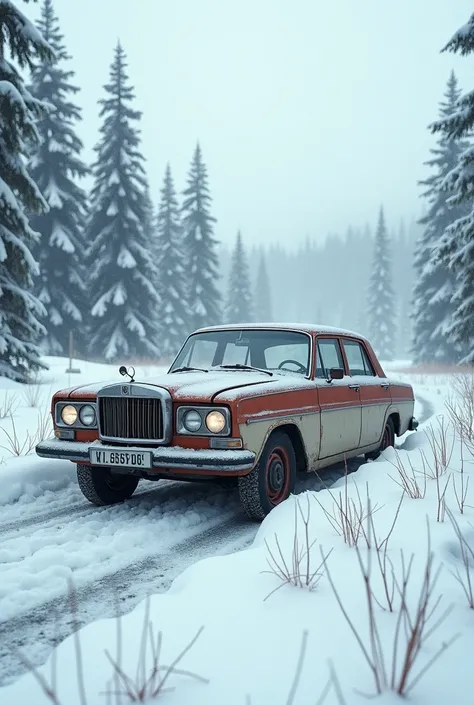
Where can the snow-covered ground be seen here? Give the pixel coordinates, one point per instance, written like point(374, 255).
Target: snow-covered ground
point(250, 646)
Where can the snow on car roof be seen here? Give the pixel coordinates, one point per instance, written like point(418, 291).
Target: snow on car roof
point(301, 327)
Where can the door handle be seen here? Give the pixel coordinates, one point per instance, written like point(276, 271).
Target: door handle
point(356, 387)
point(385, 386)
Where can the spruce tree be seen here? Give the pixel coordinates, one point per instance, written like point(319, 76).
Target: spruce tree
point(239, 297)
point(171, 264)
point(457, 247)
point(20, 329)
point(55, 167)
point(381, 302)
point(263, 297)
point(433, 307)
point(203, 298)
point(122, 269)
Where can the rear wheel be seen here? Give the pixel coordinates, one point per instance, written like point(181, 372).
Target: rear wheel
point(272, 480)
point(101, 486)
point(388, 440)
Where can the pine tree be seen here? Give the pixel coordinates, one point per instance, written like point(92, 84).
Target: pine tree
point(122, 269)
point(20, 329)
point(456, 249)
point(433, 308)
point(263, 297)
point(200, 246)
point(239, 297)
point(55, 168)
point(381, 304)
point(172, 270)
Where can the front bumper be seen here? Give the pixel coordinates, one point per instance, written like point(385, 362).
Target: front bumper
point(170, 458)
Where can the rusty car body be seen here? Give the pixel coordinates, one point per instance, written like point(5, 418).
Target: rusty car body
point(256, 403)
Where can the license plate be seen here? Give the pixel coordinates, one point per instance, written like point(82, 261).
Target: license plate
point(121, 458)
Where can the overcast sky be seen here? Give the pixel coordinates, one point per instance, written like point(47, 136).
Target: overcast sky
point(310, 113)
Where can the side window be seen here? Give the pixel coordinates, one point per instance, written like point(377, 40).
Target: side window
point(357, 359)
point(328, 356)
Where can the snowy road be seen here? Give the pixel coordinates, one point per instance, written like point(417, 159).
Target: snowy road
point(117, 555)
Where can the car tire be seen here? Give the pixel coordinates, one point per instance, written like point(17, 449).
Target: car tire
point(388, 440)
point(102, 487)
point(272, 480)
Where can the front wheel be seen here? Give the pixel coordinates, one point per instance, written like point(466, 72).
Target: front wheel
point(272, 479)
point(388, 440)
point(102, 487)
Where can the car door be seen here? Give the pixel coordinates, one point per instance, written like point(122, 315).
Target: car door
point(374, 391)
point(341, 415)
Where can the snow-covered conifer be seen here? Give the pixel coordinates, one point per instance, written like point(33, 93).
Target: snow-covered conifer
point(20, 330)
point(239, 307)
point(122, 275)
point(381, 301)
point(456, 249)
point(171, 264)
point(203, 298)
point(56, 165)
point(263, 296)
point(433, 306)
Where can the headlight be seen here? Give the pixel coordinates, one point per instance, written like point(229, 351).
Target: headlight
point(215, 421)
point(87, 415)
point(69, 414)
point(192, 421)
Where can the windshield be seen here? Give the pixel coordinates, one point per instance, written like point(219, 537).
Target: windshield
point(279, 351)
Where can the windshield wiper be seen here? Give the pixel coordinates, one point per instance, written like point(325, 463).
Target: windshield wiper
point(188, 369)
point(245, 367)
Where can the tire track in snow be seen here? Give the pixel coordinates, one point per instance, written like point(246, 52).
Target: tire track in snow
point(50, 623)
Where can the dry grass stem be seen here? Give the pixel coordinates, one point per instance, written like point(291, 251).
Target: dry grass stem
point(300, 572)
point(467, 559)
point(9, 405)
point(461, 494)
point(412, 630)
point(348, 516)
point(407, 479)
point(460, 407)
point(441, 447)
point(17, 447)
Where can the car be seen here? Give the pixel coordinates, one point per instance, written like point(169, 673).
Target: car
point(251, 404)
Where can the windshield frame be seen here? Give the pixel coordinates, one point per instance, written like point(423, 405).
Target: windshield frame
point(238, 329)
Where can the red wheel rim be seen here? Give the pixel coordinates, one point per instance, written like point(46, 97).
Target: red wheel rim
point(387, 438)
point(277, 475)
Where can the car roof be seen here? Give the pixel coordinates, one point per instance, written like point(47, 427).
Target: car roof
point(312, 328)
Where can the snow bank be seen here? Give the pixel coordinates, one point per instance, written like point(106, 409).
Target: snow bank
point(253, 635)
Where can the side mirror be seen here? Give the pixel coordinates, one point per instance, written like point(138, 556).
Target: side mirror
point(335, 373)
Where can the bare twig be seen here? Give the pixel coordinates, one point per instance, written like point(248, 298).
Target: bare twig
point(407, 479)
point(9, 405)
point(17, 447)
point(460, 407)
point(441, 447)
point(461, 496)
point(467, 559)
point(348, 517)
point(416, 627)
point(301, 573)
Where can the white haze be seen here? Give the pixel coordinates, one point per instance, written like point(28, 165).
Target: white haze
point(310, 113)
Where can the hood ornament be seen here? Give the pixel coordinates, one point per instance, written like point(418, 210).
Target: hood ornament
point(130, 372)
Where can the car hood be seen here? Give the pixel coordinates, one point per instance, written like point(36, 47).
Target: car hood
point(194, 386)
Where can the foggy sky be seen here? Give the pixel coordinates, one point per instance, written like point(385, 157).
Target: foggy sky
point(309, 113)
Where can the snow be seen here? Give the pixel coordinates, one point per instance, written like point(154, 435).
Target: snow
point(251, 640)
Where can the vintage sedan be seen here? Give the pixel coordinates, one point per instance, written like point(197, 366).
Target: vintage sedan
point(255, 403)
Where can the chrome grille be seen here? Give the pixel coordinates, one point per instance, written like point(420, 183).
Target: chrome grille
point(131, 418)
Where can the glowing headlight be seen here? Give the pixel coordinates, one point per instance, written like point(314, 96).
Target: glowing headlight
point(87, 415)
point(215, 421)
point(192, 421)
point(69, 414)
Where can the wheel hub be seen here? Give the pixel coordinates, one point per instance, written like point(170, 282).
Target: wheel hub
point(276, 475)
